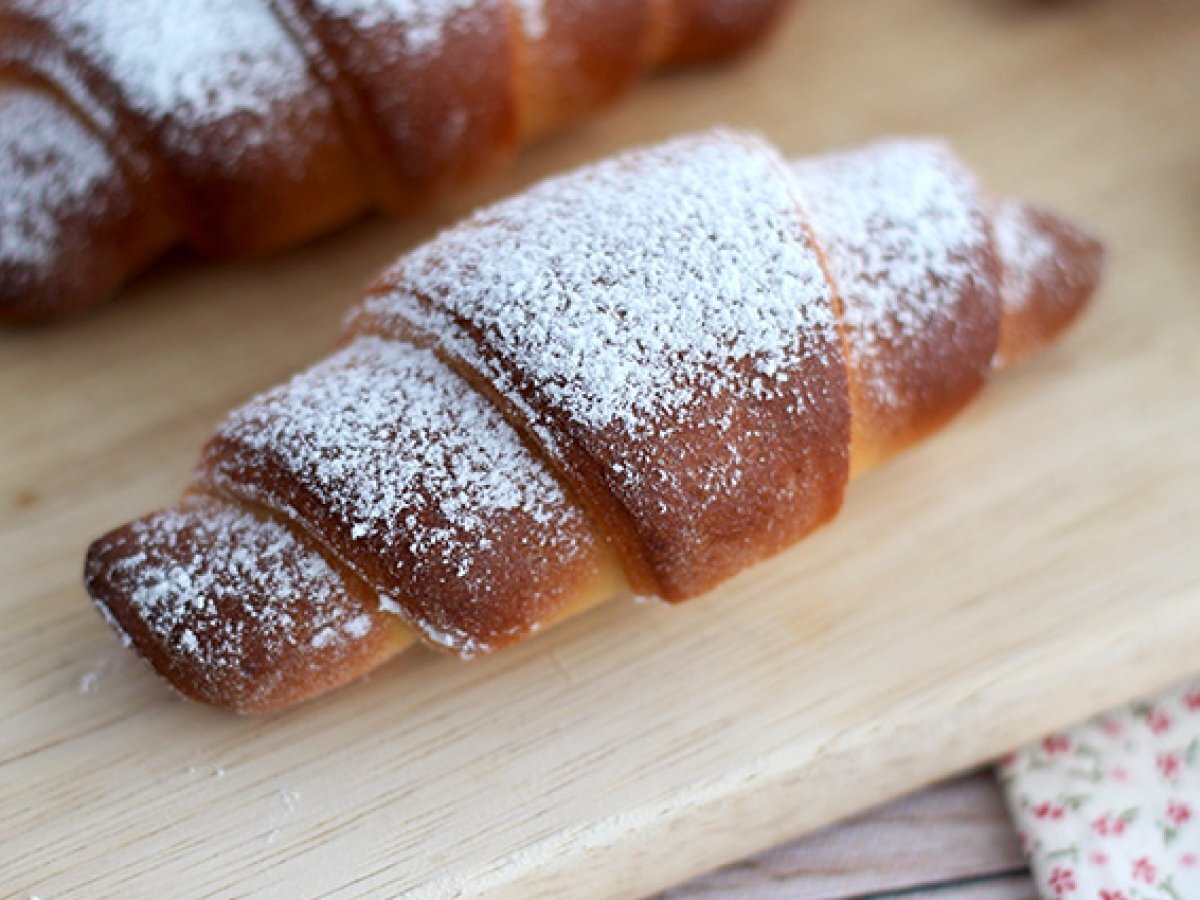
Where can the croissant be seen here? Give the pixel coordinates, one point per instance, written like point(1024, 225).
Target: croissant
point(241, 126)
point(641, 377)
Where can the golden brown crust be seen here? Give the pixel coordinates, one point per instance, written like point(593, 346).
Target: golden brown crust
point(703, 30)
point(580, 57)
point(461, 122)
point(413, 481)
point(907, 240)
point(701, 417)
point(190, 589)
point(89, 212)
point(242, 126)
point(227, 162)
point(378, 497)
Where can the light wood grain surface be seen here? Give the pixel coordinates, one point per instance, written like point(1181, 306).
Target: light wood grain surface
point(951, 840)
point(1034, 563)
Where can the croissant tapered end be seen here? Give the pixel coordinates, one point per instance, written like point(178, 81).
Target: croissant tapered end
point(72, 226)
point(1050, 270)
point(233, 609)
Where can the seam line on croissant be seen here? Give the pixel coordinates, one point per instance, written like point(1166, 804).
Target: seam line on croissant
point(407, 332)
point(358, 124)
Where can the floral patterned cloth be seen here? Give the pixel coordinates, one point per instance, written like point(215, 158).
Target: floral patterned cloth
point(1111, 809)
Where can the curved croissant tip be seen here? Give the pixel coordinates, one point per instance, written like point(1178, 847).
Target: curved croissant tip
point(1050, 267)
point(233, 608)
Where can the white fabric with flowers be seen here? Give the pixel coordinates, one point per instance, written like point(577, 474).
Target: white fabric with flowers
point(1111, 809)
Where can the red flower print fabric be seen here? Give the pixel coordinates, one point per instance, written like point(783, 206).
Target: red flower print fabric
point(1111, 809)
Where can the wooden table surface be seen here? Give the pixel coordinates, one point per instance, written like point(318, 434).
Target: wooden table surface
point(953, 841)
point(1035, 562)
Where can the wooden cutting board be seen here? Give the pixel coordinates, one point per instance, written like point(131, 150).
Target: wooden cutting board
point(1037, 561)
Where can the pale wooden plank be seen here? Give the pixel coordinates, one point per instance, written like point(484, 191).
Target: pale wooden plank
point(955, 831)
point(1014, 887)
point(978, 592)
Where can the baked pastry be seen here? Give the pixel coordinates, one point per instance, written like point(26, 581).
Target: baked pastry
point(641, 377)
point(241, 126)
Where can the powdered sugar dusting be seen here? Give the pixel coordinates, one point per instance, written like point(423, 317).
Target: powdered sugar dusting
point(191, 61)
point(425, 21)
point(50, 166)
point(211, 582)
point(533, 18)
point(1049, 270)
point(419, 468)
point(458, 640)
point(663, 327)
point(324, 638)
point(1025, 250)
point(628, 291)
point(387, 604)
point(359, 626)
point(902, 236)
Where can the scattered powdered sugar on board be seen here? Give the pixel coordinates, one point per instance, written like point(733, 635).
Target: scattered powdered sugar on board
point(901, 231)
point(1025, 250)
point(287, 801)
point(50, 166)
point(424, 21)
point(217, 772)
point(214, 771)
point(101, 669)
point(217, 586)
point(629, 290)
point(417, 466)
